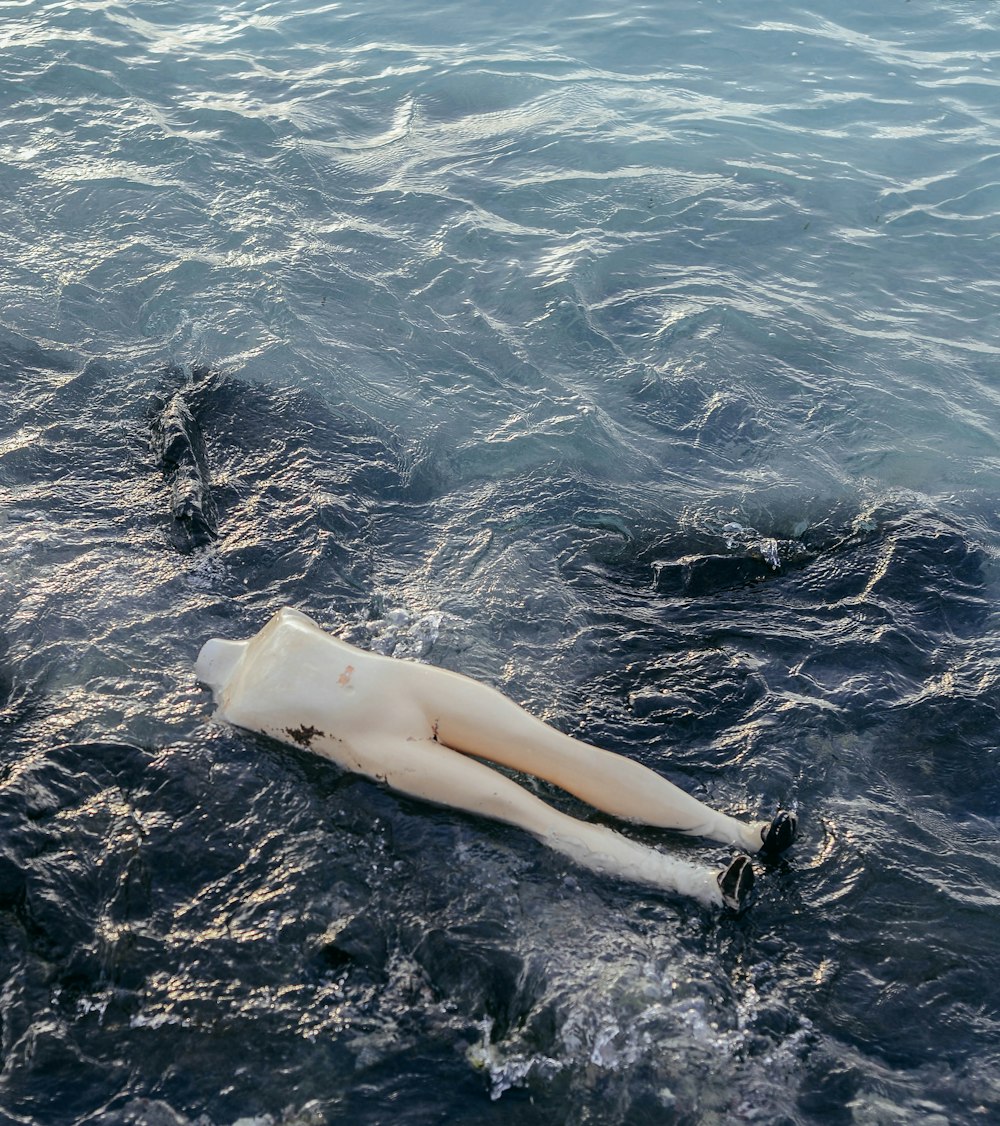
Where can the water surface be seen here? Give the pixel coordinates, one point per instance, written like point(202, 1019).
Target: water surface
point(639, 361)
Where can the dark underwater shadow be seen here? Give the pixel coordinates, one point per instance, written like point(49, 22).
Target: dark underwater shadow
point(283, 490)
point(172, 904)
point(851, 675)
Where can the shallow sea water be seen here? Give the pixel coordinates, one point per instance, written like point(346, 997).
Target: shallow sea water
point(640, 360)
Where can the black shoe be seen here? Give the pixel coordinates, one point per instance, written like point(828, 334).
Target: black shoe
point(779, 835)
point(736, 884)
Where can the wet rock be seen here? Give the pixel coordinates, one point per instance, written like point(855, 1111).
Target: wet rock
point(479, 977)
point(359, 941)
point(179, 449)
point(12, 883)
point(701, 574)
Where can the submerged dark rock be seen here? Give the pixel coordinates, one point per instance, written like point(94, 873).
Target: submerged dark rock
point(359, 943)
point(179, 447)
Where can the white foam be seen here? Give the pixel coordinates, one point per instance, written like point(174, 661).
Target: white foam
point(400, 633)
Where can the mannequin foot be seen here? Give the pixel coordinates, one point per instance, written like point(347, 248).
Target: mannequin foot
point(736, 884)
point(779, 835)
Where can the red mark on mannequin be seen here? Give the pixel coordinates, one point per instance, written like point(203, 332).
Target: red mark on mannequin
point(345, 676)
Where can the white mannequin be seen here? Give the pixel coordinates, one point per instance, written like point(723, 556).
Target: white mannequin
point(415, 727)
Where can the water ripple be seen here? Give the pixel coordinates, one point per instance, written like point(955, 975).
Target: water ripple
point(642, 367)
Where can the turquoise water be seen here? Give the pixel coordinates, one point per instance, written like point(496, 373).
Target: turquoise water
point(640, 361)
